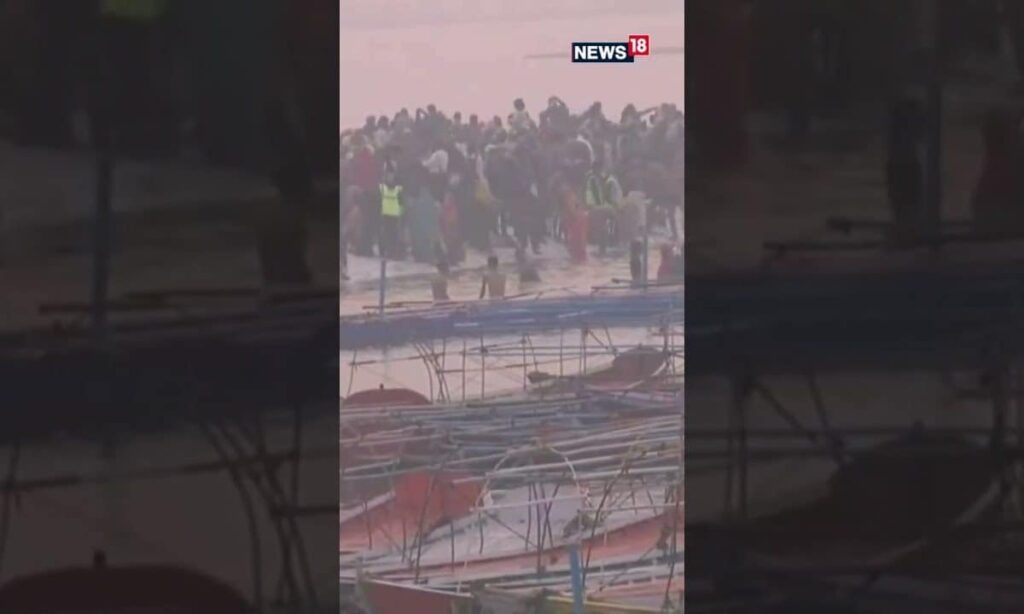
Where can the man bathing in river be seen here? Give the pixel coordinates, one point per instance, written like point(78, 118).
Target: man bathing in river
point(439, 284)
point(494, 280)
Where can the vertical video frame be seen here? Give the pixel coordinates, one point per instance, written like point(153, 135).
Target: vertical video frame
point(511, 306)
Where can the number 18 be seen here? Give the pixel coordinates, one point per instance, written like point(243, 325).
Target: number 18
point(639, 44)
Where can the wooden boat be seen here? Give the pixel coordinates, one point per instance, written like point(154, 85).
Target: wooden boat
point(385, 397)
point(441, 592)
point(490, 543)
point(394, 597)
point(398, 519)
point(629, 369)
point(381, 437)
point(513, 602)
point(526, 480)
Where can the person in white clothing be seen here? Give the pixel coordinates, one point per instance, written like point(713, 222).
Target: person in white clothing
point(590, 148)
point(437, 162)
point(520, 121)
point(382, 136)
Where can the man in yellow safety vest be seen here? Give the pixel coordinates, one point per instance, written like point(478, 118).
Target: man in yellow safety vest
point(602, 194)
point(390, 219)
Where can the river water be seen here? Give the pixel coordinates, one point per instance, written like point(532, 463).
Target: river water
point(478, 62)
point(408, 284)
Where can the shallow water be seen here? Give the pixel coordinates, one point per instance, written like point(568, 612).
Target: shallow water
point(409, 282)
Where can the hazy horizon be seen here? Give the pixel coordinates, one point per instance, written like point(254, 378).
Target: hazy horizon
point(478, 63)
point(358, 14)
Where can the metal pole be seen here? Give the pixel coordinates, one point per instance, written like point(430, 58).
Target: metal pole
point(526, 375)
point(383, 283)
point(576, 573)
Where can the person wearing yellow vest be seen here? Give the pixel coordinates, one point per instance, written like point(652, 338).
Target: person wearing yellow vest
point(602, 194)
point(390, 220)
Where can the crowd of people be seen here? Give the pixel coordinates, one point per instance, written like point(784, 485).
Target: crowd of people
point(429, 186)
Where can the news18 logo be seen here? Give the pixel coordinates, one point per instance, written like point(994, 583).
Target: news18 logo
point(636, 45)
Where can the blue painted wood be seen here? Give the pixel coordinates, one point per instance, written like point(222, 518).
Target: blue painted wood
point(512, 317)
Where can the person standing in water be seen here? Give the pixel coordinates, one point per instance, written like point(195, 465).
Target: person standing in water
point(494, 280)
point(365, 172)
point(636, 262)
point(575, 220)
point(527, 270)
point(667, 266)
point(451, 226)
point(422, 216)
point(439, 284)
point(352, 225)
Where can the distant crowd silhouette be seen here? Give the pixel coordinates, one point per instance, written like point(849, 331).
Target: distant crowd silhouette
point(428, 186)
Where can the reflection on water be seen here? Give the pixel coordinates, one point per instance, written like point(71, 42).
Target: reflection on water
point(508, 359)
point(409, 282)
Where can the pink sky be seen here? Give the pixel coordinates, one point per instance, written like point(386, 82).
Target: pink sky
point(480, 66)
point(390, 13)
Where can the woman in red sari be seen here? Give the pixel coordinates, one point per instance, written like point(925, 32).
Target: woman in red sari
point(451, 229)
point(575, 220)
